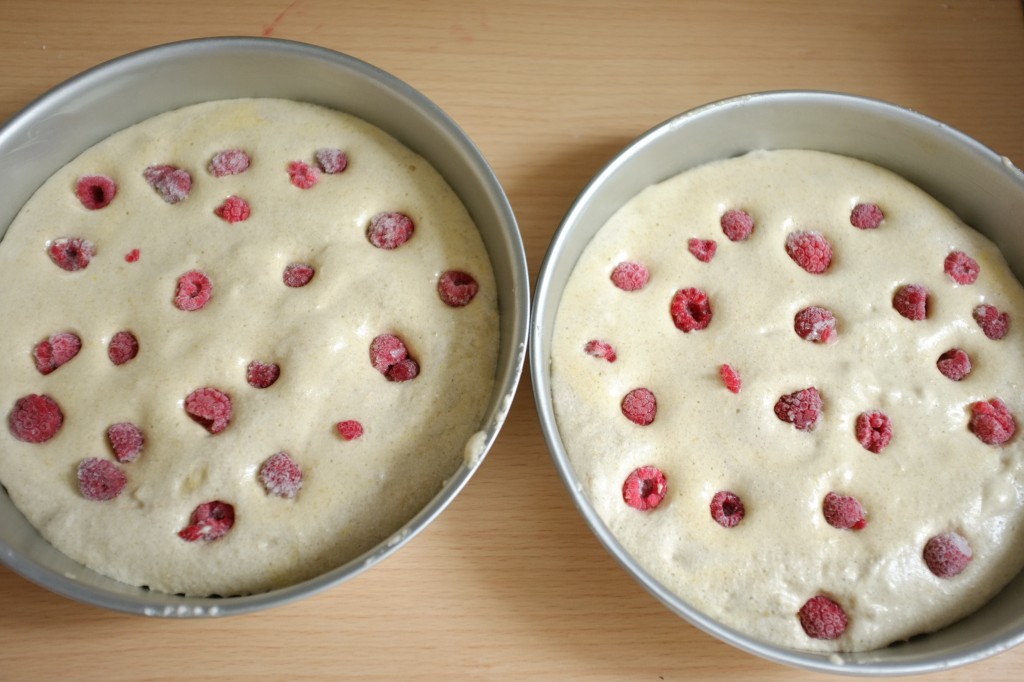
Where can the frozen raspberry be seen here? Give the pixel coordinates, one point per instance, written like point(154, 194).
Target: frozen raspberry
point(390, 357)
point(731, 378)
point(194, 291)
point(298, 275)
point(737, 225)
point(210, 408)
point(403, 370)
point(691, 310)
point(816, 324)
point(843, 512)
point(390, 230)
point(235, 209)
point(600, 349)
point(727, 508)
point(802, 409)
point(873, 430)
point(35, 418)
point(992, 422)
point(229, 162)
point(822, 618)
point(995, 324)
point(911, 301)
point(349, 429)
point(947, 555)
point(302, 174)
point(127, 441)
point(281, 476)
point(71, 253)
point(123, 347)
point(331, 161)
point(457, 288)
point(961, 267)
point(132, 256)
point(954, 364)
point(630, 276)
point(171, 183)
point(645, 488)
point(100, 479)
point(55, 351)
point(209, 521)
point(866, 216)
point(702, 249)
point(95, 191)
point(640, 406)
point(262, 374)
point(810, 250)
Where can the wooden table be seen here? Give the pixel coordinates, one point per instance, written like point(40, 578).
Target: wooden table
point(509, 583)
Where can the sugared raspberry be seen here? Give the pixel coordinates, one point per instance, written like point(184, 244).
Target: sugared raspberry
point(727, 508)
point(126, 439)
point(209, 521)
point(95, 191)
point(992, 422)
point(737, 225)
point(630, 276)
point(702, 249)
point(731, 378)
point(235, 209)
point(123, 347)
point(390, 357)
point(802, 408)
point(866, 216)
point(298, 275)
point(961, 267)
point(816, 324)
point(331, 161)
point(281, 476)
point(691, 310)
point(843, 512)
point(132, 256)
point(55, 351)
point(262, 374)
point(229, 162)
point(600, 349)
point(995, 324)
point(35, 418)
point(873, 430)
point(171, 183)
point(302, 174)
point(100, 479)
point(954, 364)
point(403, 370)
point(640, 406)
point(390, 230)
point(349, 429)
point(209, 407)
point(194, 291)
point(71, 253)
point(948, 554)
point(822, 618)
point(645, 488)
point(810, 250)
point(911, 301)
point(457, 288)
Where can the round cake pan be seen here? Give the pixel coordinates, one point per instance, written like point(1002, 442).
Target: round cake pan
point(983, 188)
point(86, 109)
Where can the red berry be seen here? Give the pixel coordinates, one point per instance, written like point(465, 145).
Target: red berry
point(911, 301)
point(302, 174)
point(95, 191)
point(992, 422)
point(691, 310)
point(55, 351)
point(961, 267)
point(843, 512)
point(235, 209)
point(123, 347)
point(403, 370)
point(229, 162)
point(390, 230)
point(737, 225)
point(816, 324)
point(630, 276)
point(171, 183)
point(954, 364)
point(702, 249)
point(262, 374)
point(866, 216)
point(100, 479)
point(731, 378)
point(331, 161)
point(127, 441)
point(209, 521)
point(35, 418)
point(71, 253)
point(600, 349)
point(802, 409)
point(350, 429)
point(298, 275)
point(640, 406)
point(281, 476)
point(727, 508)
point(390, 357)
point(194, 291)
point(947, 555)
point(132, 256)
point(645, 488)
point(210, 408)
point(873, 430)
point(822, 618)
point(810, 250)
point(995, 324)
point(457, 288)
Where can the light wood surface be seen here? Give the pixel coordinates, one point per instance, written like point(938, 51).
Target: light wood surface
point(509, 583)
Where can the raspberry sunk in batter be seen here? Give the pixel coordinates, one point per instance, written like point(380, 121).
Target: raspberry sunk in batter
point(127, 440)
point(991, 421)
point(822, 618)
point(173, 184)
point(954, 364)
point(229, 162)
point(702, 249)
point(235, 209)
point(802, 408)
point(630, 276)
point(350, 429)
point(731, 378)
point(302, 175)
point(55, 351)
point(100, 479)
point(71, 253)
point(457, 288)
point(727, 509)
point(866, 216)
point(281, 476)
point(640, 406)
point(262, 374)
point(810, 250)
point(194, 291)
point(961, 268)
point(843, 512)
point(816, 324)
point(123, 347)
point(691, 310)
point(873, 430)
point(947, 554)
point(209, 407)
point(35, 418)
point(390, 357)
point(209, 521)
point(911, 301)
point(645, 488)
point(331, 161)
point(600, 349)
point(298, 275)
point(994, 323)
point(390, 230)
point(737, 225)
point(95, 191)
